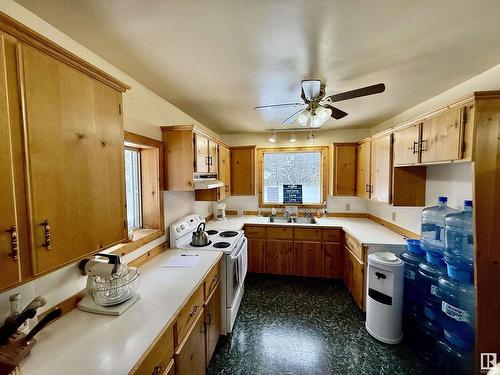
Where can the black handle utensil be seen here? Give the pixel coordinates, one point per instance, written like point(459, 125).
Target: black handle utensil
point(54, 314)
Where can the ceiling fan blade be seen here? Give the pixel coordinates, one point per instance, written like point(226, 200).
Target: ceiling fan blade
point(278, 105)
point(364, 91)
point(337, 114)
point(292, 115)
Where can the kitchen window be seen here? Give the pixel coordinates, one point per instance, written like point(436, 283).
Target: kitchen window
point(292, 176)
point(133, 187)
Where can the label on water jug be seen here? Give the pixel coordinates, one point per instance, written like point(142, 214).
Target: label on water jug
point(434, 290)
point(409, 274)
point(456, 313)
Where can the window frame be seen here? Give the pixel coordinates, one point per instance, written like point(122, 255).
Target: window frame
point(323, 178)
point(151, 166)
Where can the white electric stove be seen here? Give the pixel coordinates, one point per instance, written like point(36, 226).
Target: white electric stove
point(234, 265)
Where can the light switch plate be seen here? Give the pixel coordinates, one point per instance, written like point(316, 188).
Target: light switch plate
point(347, 206)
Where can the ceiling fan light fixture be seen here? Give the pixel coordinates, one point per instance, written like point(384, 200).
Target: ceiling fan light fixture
point(303, 117)
point(272, 138)
point(321, 116)
point(292, 137)
point(311, 88)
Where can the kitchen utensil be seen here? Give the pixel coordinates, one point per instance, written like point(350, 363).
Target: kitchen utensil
point(53, 315)
point(200, 237)
point(111, 285)
point(12, 323)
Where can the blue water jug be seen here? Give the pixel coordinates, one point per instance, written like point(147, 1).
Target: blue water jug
point(459, 244)
point(429, 273)
point(453, 360)
point(412, 258)
point(428, 334)
point(432, 230)
point(458, 312)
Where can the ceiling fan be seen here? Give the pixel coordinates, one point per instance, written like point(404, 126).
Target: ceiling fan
point(319, 107)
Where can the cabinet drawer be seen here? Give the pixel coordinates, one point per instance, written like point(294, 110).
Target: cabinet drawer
point(188, 313)
point(308, 234)
point(255, 232)
point(280, 233)
point(211, 281)
point(160, 357)
point(332, 235)
point(354, 246)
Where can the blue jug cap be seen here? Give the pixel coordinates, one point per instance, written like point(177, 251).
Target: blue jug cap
point(443, 199)
point(468, 203)
point(434, 258)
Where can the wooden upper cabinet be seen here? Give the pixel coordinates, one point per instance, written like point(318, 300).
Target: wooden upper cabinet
point(9, 243)
point(213, 157)
point(442, 137)
point(74, 159)
point(243, 170)
point(344, 169)
point(179, 164)
point(363, 170)
point(225, 169)
point(406, 145)
point(381, 168)
point(202, 153)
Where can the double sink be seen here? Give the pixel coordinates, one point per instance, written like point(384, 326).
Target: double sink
point(293, 220)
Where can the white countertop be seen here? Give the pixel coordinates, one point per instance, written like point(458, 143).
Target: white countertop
point(364, 230)
point(85, 343)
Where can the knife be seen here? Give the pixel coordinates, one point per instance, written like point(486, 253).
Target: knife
point(54, 314)
point(12, 323)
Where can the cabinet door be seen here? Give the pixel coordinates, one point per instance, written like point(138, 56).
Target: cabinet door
point(363, 170)
point(333, 260)
point(256, 256)
point(213, 323)
point(442, 137)
point(74, 137)
point(243, 171)
point(344, 170)
point(279, 257)
point(228, 173)
point(213, 156)
point(381, 169)
point(347, 269)
point(190, 355)
point(202, 153)
point(9, 253)
point(406, 145)
point(308, 259)
point(358, 278)
point(222, 164)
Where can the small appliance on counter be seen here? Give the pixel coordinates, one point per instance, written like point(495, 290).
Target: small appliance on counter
point(111, 285)
point(220, 214)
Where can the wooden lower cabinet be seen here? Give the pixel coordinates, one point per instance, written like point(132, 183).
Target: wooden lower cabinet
point(333, 260)
point(308, 259)
point(256, 255)
point(159, 358)
point(213, 323)
point(354, 277)
point(190, 355)
point(279, 257)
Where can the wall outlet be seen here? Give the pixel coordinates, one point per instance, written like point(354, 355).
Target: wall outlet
point(393, 216)
point(347, 206)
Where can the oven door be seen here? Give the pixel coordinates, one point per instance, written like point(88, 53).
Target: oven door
point(236, 270)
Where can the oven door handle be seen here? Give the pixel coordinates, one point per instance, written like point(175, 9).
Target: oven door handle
point(240, 249)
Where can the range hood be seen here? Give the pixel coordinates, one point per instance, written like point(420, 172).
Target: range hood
point(206, 182)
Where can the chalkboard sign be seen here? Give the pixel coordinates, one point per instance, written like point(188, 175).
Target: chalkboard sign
point(292, 194)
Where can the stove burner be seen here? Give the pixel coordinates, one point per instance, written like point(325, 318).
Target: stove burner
point(209, 243)
point(229, 233)
point(210, 232)
point(221, 245)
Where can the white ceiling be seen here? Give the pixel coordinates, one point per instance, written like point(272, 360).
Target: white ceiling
point(217, 59)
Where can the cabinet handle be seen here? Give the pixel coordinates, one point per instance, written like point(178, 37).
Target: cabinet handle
point(367, 188)
point(212, 283)
point(423, 145)
point(371, 188)
point(14, 245)
point(157, 369)
point(195, 309)
point(46, 233)
point(415, 147)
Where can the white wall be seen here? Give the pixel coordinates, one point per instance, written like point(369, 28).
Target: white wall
point(144, 112)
